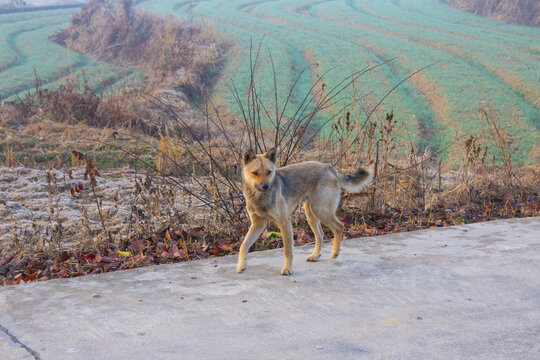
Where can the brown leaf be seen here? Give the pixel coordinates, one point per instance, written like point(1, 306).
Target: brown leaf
point(137, 245)
point(64, 256)
point(173, 251)
point(215, 251)
point(30, 277)
point(227, 248)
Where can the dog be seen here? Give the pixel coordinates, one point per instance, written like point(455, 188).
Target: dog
point(272, 193)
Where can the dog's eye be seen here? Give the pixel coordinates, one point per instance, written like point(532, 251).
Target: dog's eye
point(255, 173)
point(268, 172)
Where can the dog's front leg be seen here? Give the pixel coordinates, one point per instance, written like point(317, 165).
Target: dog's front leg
point(288, 243)
point(257, 227)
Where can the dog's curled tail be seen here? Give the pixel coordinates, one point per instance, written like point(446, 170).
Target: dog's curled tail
point(355, 182)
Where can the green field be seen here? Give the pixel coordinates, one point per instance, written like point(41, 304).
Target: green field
point(25, 49)
point(478, 59)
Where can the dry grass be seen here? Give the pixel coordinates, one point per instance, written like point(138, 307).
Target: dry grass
point(526, 12)
point(172, 53)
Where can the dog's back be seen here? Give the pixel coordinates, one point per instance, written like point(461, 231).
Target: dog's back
point(312, 177)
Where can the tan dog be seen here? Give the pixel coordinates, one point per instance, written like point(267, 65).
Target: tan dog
point(272, 193)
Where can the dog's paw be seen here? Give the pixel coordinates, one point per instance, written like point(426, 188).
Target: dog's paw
point(334, 254)
point(286, 271)
point(313, 258)
point(240, 268)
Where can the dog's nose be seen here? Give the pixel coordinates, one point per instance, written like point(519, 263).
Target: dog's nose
point(265, 186)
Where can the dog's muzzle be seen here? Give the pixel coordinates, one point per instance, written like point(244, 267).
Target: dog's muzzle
point(263, 187)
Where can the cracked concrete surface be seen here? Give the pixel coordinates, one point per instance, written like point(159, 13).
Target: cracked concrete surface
point(469, 291)
point(12, 350)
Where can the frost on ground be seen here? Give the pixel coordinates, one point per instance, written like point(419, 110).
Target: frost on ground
point(25, 202)
point(40, 2)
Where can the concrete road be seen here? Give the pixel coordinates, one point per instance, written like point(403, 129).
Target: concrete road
point(463, 292)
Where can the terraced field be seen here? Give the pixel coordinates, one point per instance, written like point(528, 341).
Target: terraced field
point(25, 49)
point(478, 59)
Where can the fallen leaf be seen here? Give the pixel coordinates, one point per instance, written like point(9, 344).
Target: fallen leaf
point(173, 251)
point(137, 245)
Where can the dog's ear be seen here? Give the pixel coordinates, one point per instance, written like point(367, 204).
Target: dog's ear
point(271, 154)
point(248, 156)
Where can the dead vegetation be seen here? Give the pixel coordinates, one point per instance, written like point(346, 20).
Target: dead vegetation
point(525, 12)
point(173, 54)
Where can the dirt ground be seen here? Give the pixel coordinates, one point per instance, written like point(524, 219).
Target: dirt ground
point(24, 199)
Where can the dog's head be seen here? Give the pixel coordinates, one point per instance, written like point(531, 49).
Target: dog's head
point(259, 170)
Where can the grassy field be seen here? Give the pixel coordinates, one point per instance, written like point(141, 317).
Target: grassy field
point(25, 49)
point(478, 59)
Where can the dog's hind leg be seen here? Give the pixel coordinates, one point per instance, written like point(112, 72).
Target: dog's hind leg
point(315, 226)
point(337, 229)
point(326, 213)
point(257, 227)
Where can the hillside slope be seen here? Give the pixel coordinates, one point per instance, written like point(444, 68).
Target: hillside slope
point(525, 12)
